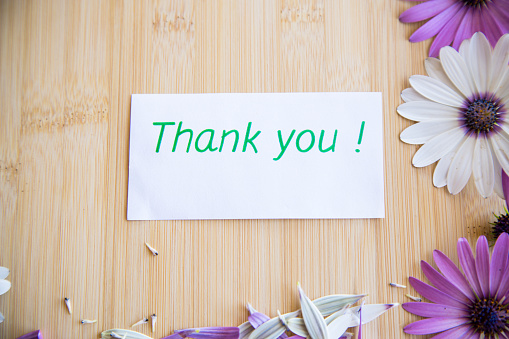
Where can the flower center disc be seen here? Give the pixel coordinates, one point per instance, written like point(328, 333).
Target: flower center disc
point(481, 115)
point(488, 316)
point(474, 3)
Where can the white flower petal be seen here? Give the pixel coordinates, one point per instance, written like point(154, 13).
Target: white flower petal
point(245, 330)
point(124, 333)
point(498, 177)
point(499, 62)
point(4, 286)
point(315, 324)
point(333, 303)
point(464, 50)
point(369, 312)
point(461, 166)
point(340, 325)
point(297, 326)
point(503, 89)
point(427, 110)
point(410, 94)
point(480, 62)
point(435, 70)
point(457, 70)
point(436, 91)
point(440, 174)
point(2, 318)
point(424, 131)
point(271, 329)
point(336, 315)
point(4, 272)
point(500, 147)
point(437, 147)
point(482, 167)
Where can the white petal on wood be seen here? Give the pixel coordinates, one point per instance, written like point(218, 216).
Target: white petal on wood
point(457, 70)
point(297, 326)
point(427, 110)
point(410, 94)
point(369, 312)
point(461, 166)
point(438, 147)
point(424, 131)
point(315, 324)
point(340, 325)
point(482, 167)
point(4, 286)
point(245, 330)
point(498, 177)
point(336, 315)
point(4, 272)
point(436, 91)
point(435, 70)
point(480, 62)
point(332, 303)
point(499, 62)
point(440, 174)
point(2, 318)
point(500, 147)
point(124, 333)
point(272, 329)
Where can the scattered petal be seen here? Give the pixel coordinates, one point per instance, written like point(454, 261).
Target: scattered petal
point(414, 298)
point(86, 321)
point(5, 286)
point(313, 319)
point(397, 285)
point(210, 333)
point(142, 321)
point(67, 302)
point(128, 334)
point(32, 335)
point(153, 250)
point(154, 319)
point(370, 312)
point(2, 318)
point(4, 272)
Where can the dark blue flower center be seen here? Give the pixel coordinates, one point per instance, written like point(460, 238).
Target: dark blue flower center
point(488, 316)
point(474, 3)
point(481, 115)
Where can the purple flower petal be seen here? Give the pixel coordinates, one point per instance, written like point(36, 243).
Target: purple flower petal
point(434, 325)
point(490, 28)
point(455, 333)
point(425, 10)
point(431, 293)
point(482, 265)
point(435, 310)
point(444, 285)
point(446, 35)
point(256, 319)
point(464, 30)
point(210, 333)
point(505, 186)
point(499, 261)
point(453, 274)
point(432, 27)
point(502, 20)
point(173, 336)
point(467, 263)
point(32, 335)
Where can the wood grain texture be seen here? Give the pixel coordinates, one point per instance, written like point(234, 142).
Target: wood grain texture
point(67, 71)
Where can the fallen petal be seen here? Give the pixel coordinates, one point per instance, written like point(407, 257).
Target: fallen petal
point(1, 318)
point(210, 333)
point(315, 324)
point(173, 336)
point(4, 286)
point(127, 334)
point(370, 312)
point(333, 303)
point(338, 327)
point(32, 335)
point(245, 330)
point(297, 326)
point(4, 272)
point(272, 329)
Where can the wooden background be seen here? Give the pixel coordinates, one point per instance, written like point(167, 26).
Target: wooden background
point(67, 71)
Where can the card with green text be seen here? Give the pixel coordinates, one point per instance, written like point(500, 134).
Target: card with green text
point(256, 156)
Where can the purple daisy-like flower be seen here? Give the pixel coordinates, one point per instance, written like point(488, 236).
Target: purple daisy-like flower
point(470, 305)
point(453, 21)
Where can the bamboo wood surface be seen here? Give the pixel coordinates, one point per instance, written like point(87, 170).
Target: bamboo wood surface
point(67, 71)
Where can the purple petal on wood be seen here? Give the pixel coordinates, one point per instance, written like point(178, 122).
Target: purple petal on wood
point(499, 261)
point(432, 27)
point(434, 325)
point(453, 274)
point(440, 282)
point(173, 336)
point(32, 335)
point(455, 333)
point(429, 310)
point(467, 263)
point(446, 35)
point(256, 319)
point(431, 293)
point(210, 333)
point(505, 187)
point(482, 265)
point(425, 10)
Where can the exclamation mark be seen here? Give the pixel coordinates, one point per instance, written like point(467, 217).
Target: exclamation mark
point(360, 136)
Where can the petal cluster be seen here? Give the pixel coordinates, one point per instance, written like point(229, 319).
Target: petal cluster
point(452, 21)
point(471, 304)
point(461, 112)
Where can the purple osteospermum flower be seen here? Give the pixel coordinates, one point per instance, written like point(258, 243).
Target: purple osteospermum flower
point(461, 109)
point(473, 305)
point(453, 21)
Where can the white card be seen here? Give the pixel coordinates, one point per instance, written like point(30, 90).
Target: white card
point(256, 156)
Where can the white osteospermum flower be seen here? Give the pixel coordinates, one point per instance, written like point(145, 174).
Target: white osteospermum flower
point(461, 109)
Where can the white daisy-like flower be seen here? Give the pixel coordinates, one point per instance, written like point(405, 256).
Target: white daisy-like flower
point(461, 109)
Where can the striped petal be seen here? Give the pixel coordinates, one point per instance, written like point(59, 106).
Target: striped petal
point(452, 273)
point(210, 333)
point(425, 10)
point(434, 325)
point(245, 330)
point(424, 131)
point(430, 310)
point(455, 333)
point(444, 285)
point(436, 91)
point(5, 286)
point(482, 265)
point(435, 70)
point(440, 174)
point(4, 272)
point(433, 294)
point(438, 147)
point(500, 59)
point(467, 263)
point(427, 110)
point(369, 312)
point(315, 324)
point(499, 262)
point(482, 167)
point(457, 70)
point(461, 166)
point(410, 94)
point(480, 62)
